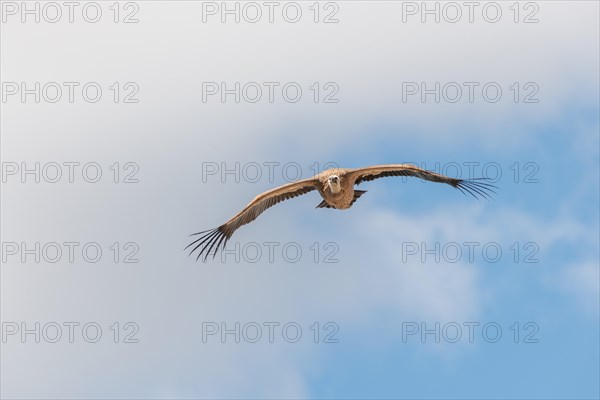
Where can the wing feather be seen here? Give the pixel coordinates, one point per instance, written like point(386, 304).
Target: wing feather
point(217, 238)
point(474, 187)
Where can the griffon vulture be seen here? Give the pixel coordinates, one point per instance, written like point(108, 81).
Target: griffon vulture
point(336, 187)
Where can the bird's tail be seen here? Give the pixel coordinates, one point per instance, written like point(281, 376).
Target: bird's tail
point(323, 204)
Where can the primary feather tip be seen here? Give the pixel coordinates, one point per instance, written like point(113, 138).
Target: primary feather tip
point(476, 188)
point(206, 242)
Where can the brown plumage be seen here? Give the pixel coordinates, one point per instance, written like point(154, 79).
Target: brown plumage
point(336, 187)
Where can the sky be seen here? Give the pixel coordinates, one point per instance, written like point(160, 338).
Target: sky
point(128, 126)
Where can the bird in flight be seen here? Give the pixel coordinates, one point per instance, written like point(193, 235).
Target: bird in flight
point(336, 187)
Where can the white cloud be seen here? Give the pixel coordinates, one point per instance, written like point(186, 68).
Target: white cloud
point(581, 282)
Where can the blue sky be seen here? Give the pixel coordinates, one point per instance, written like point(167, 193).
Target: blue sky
point(565, 361)
point(380, 286)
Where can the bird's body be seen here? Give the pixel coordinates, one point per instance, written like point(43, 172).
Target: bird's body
point(336, 193)
point(336, 187)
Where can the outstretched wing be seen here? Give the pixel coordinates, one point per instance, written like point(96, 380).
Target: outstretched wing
point(219, 236)
point(474, 187)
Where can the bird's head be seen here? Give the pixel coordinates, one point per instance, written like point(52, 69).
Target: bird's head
point(334, 183)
